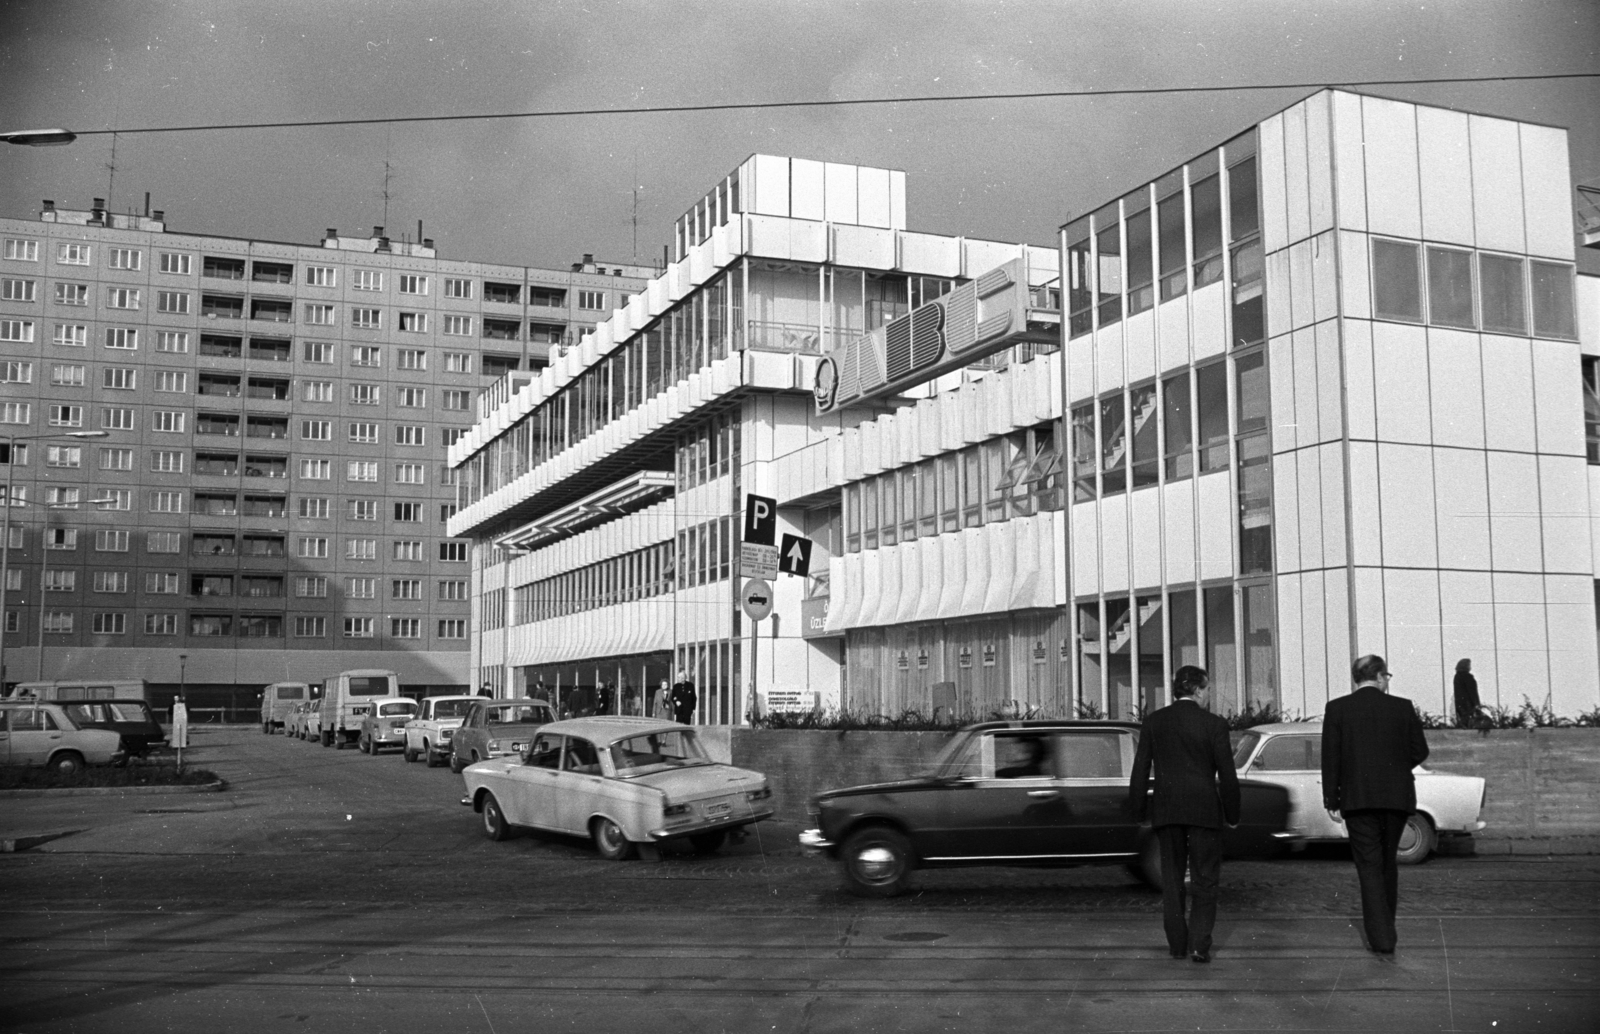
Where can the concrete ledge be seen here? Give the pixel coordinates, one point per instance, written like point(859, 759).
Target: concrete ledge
point(108, 791)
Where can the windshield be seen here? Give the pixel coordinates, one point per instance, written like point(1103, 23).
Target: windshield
point(452, 708)
point(397, 708)
point(947, 755)
point(1246, 747)
point(369, 685)
point(291, 692)
point(656, 752)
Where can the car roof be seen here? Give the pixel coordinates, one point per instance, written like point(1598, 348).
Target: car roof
point(516, 702)
point(1277, 727)
point(455, 696)
point(1052, 723)
point(393, 700)
point(610, 728)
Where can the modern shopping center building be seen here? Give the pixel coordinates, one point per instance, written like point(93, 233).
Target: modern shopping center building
point(1320, 391)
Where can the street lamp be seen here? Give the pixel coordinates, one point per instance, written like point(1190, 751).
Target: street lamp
point(11, 441)
point(39, 137)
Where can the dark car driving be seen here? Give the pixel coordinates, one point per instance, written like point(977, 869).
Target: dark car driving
point(132, 719)
point(1041, 793)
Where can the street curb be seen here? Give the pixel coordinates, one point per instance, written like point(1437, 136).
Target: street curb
point(106, 791)
point(16, 844)
point(1531, 846)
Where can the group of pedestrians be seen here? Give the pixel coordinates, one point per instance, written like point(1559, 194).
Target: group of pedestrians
point(1370, 743)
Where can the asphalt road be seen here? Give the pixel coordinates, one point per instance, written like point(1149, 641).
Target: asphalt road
point(329, 891)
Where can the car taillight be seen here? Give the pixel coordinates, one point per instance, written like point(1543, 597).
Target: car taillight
point(494, 744)
point(759, 795)
point(675, 809)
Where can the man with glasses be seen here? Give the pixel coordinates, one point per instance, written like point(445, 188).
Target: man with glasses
point(1370, 743)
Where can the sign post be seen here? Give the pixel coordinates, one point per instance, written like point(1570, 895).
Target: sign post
point(756, 600)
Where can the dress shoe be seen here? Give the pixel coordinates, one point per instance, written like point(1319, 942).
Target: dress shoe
point(1199, 956)
point(1177, 954)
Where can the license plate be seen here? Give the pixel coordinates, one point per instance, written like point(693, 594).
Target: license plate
point(516, 748)
point(718, 809)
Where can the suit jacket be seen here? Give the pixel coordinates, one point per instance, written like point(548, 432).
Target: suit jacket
point(1195, 781)
point(1370, 743)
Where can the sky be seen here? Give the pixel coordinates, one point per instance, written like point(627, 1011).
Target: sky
point(544, 191)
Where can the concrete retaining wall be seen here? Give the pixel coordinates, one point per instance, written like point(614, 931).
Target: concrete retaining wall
point(1542, 783)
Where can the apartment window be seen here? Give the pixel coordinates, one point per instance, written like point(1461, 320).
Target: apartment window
point(111, 581)
point(1450, 296)
point(60, 581)
point(410, 512)
point(358, 628)
point(1211, 405)
point(410, 434)
point(18, 290)
point(170, 421)
point(166, 502)
point(406, 589)
point(260, 626)
point(114, 499)
point(322, 276)
point(209, 625)
point(58, 622)
point(313, 508)
point(71, 335)
point(317, 391)
point(458, 326)
point(453, 589)
point(1141, 293)
point(68, 375)
point(63, 499)
point(414, 398)
point(453, 552)
point(163, 542)
point(321, 316)
point(592, 300)
point(122, 298)
point(457, 288)
point(20, 249)
point(63, 456)
point(16, 413)
point(1171, 235)
point(1205, 201)
point(1591, 407)
point(161, 624)
point(1503, 293)
point(316, 351)
point(16, 330)
point(119, 378)
point(448, 436)
point(412, 359)
point(172, 341)
point(16, 372)
point(1396, 282)
point(455, 400)
point(366, 355)
point(122, 337)
point(364, 394)
point(310, 628)
point(72, 254)
point(361, 588)
point(414, 323)
point(363, 509)
point(457, 362)
point(411, 283)
point(408, 473)
point(316, 470)
point(311, 547)
point(366, 319)
point(447, 511)
point(110, 624)
point(316, 430)
point(72, 294)
point(364, 432)
point(407, 549)
point(172, 380)
point(172, 301)
point(161, 583)
point(65, 416)
point(366, 280)
point(1553, 314)
point(164, 461)
point(361, 549)
point(452, 628)
point(405, 628)
point(111, 541)
point(176, 262)
point(110, 459)
point(126, 258)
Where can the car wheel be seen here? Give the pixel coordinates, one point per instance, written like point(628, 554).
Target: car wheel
point(708, 843)
point(67, 763)
point(495, 826)
point(1416, 840)
point(266, 728)
point(433, 758)
point(877, 862)
point(456, 764)
point(609, 839)
point(407, 753)
point(327, 738)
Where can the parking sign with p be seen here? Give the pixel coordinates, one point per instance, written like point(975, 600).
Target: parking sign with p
point(760, 520)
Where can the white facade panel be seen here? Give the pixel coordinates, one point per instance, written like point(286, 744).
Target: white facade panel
point(1324, 277)
point(1547, 191)
point(1416, 652)
point(880, 588)
point(863, 246)
point(1145, 538)
point(1178, 534)
point(930, 255)
point(1319, 161)
point(1466, 623)
point(1172, 333)
point(953, 583)
point(1000, 566)
point(1405, 485)
point(1574, 683)
point(1496, 179)
point(841, 192)
point(1302, 303)
point(1559, 414)
point(909, 559)
point(1513, 500)
point(1401, 352)
point(770, 193)
point(1349, 163)
point(1455, 383)
point(1280, 291)
point(1522, 645)
point(874, 205)
point(1314, 617)
point(897, 199)
point(1371, 618)
point(1109, 359)
point(1340, 653)
point(1274, 211)
point(1216, 525)
point(930, 564)
point(1334, 544)
point(1114, 544)
point(1296, 183)
point(1445, 160)
point(1308, 489)
point(1287, 505)
point(1307, 403)
point(1209, 334)
point(1360, 390)
point(1141, 342)
point(1461, 490)
point(806, 190)
point(1330, 396)
point(1563, 509)
point(1291, 660)
point(1393, 204)
point(1509, 418)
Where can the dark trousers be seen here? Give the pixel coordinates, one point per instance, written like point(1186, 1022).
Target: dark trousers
point(1200, 850)
point(1374, 838)
point(682, 715)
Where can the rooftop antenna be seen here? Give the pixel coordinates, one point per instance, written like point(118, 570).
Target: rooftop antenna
point(636, 203)
point(387, 173)
point(111, 168)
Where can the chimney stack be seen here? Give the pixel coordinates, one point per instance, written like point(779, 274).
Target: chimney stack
point(377, 231)
point(159, 215)
point(330, 234)
point(427, 242)
point(383, 243)
point(49, 206)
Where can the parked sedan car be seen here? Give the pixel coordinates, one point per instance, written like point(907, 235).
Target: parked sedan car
point(384, 724)
point(40, 732)
point(1033, 793)
point(497, 728)
point(1289, 754)
point(311, 722)
point(130, 719)
point(293, 719)
point(627, 783)
point(428, 734)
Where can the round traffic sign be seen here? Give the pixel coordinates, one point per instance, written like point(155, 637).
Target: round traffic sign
point(756, 599)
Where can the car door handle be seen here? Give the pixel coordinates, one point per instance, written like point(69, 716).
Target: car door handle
point(1044, 793)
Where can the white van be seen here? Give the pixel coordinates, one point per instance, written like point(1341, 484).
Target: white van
point(347, 698)
point(277, 700)
point(83, 689)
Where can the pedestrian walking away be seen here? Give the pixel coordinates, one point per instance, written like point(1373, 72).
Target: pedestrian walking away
point(1466, 694)
point(683, 699)
point(1370, 743)
point(1196, 793)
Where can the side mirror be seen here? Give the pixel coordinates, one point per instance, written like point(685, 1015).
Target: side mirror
point(1258, 763)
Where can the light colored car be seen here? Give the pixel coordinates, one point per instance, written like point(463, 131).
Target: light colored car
point(35, 733)
point(626, 783)
point(384, 724)
point(428, 734)
point(294, 719)
point(311, 722)
point(1290, 755)
point(496, 729)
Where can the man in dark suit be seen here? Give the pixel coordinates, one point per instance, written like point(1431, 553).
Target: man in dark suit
point(1196, 793)
point(683, 699)
point(1370, 743)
